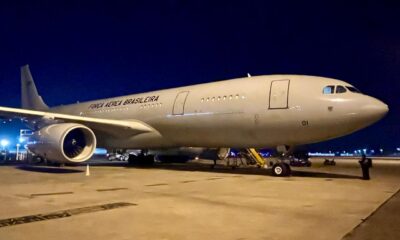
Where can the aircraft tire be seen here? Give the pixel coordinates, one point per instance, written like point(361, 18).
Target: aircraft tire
point(280, 170)
point(289, 170)
point(141, 160)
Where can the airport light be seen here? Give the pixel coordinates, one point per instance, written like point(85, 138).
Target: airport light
point(4, 143)
point(398, 149)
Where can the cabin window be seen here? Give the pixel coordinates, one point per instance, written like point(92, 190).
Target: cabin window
point(353, 89)
point(340, 89)
point(329, 90)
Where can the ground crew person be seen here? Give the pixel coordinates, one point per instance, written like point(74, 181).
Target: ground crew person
point(365, 164)
point(215, 163)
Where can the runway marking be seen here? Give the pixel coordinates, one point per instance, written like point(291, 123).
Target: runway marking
point(110, 189)
point(49, 194)
point(214, 178)
point(157, 184)
point(62, 214)
point(350, 234)
point(188, 181)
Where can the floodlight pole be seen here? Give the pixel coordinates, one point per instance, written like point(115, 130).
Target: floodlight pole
point(17, 157)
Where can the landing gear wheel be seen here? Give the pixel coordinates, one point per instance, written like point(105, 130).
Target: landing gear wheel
point(132, 159)
point(289, 170)
point(280, 169)
point(141, 160)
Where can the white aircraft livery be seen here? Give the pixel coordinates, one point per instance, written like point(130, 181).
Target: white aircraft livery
point(272, 111)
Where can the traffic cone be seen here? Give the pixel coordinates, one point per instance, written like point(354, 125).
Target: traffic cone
point(87, 170)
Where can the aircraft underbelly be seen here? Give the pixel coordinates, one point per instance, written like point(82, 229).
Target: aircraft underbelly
point(222, 130)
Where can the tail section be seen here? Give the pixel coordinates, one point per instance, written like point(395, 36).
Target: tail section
point(30, 98)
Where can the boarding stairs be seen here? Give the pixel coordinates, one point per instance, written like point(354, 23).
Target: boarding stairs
point(248, 156)
point(256, 157)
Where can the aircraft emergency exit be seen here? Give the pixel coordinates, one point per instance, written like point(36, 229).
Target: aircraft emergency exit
point(252, 112)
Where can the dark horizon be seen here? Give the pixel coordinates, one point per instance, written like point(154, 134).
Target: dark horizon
point(81, 51)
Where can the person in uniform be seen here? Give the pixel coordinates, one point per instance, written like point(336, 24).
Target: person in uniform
point(365, 164)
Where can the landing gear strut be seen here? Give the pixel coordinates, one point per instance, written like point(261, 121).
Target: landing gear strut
point(141, 159)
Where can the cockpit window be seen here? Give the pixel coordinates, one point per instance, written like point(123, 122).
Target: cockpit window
point(340, 89)
point(328, 90)
point(353, 89)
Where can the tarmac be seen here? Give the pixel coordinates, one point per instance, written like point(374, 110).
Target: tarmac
point(194, 201)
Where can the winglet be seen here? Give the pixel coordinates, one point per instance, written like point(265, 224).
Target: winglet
point(30, 99)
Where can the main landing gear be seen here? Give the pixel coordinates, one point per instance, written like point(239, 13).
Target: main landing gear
point(142, 159)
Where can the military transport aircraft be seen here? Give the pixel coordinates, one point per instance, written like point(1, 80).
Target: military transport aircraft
point(259, 111)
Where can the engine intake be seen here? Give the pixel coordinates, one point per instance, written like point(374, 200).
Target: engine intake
point(64, 143)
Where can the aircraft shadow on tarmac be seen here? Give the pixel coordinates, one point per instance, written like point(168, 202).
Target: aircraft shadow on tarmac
point(323, 175)
point(46, 169)
point(244, 171)
point(196, 167)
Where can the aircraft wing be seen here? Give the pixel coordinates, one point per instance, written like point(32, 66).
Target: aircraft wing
point(113, 127)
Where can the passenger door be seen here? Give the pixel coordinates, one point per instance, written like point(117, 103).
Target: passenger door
point(279, 94)
point(179, 104)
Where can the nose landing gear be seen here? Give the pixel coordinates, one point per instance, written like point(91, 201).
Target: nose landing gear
point(281, 168)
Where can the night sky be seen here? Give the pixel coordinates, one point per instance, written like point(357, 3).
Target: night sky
point(86, 50)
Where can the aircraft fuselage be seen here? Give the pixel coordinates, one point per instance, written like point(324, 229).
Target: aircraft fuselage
point(262, 111)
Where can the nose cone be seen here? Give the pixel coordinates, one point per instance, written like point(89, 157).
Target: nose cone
point(375, 109)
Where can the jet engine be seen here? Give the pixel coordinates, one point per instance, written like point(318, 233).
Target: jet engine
point(64, 143)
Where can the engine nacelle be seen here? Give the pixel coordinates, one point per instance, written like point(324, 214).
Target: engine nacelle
point(64, 143)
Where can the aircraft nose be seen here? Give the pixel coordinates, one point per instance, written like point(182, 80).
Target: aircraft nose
point(375, 109)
